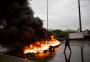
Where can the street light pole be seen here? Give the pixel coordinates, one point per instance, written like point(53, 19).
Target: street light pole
point(80, 25)
point(47, 14)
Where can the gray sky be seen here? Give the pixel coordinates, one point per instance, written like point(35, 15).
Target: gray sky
point(63, 14)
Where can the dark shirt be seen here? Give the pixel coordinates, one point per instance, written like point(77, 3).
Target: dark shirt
point(67, 41)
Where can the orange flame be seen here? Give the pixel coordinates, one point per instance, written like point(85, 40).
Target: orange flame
point(41, 46)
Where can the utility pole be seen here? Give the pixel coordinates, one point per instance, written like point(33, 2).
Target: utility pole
point(47, 14)
point(79, 9)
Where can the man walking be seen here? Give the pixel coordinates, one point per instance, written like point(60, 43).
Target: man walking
point(67, 44)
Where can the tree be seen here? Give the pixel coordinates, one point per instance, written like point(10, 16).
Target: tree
point(59, 33)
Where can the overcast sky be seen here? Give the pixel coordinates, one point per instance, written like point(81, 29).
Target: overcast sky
point(63, 14)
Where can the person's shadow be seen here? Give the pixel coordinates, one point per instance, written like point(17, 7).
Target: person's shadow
point(67, 59)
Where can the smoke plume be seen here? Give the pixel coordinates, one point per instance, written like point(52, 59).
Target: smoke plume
point(20, 27)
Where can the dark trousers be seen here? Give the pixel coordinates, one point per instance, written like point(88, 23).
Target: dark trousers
point(67, 45)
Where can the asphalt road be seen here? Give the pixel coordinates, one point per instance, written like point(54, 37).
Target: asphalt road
point(80, 53)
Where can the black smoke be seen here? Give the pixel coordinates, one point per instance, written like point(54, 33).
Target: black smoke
point(20, 27)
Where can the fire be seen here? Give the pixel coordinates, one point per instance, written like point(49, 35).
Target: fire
point(41, 46)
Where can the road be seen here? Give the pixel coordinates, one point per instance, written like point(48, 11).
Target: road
point(80, 53)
